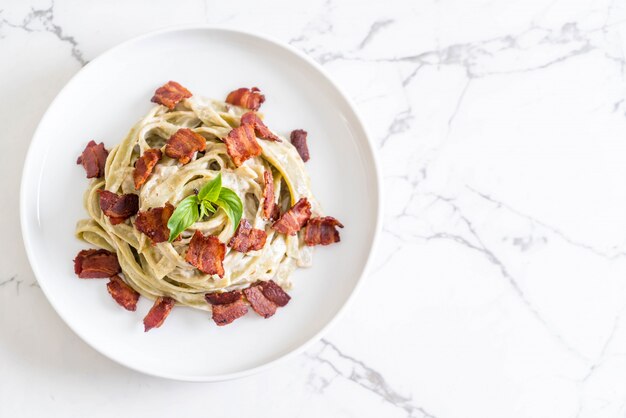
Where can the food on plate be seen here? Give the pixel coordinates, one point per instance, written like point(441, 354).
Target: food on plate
point(247, 238)
point(291, 221)
point(93, 159)
point(298, 140)
point(160, 310)
point(201, 205)
point(170, 94)
point(123, 294)
point(118, 207)
point(96, 264)
point(153, 223)
point(322, 231)
point(184, 144)
point(227, 313)
point(246, 98)
point(144, 166)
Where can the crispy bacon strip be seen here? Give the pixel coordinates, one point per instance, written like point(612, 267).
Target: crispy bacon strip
point(123, 294)
point(245, 97)
point(322, 231)
point(206, 254)
point(261, 305)
point(262, 131)
point(274, 292)
point(275, 213)
point(144, 166)
point(241, 144)
point(118, 207)
point(183, 144)
point(294, 219)
point(223, 298)
point(96, 264)
point(247, 238)
point(225, 314)
point(93, 159)
point(159, 311)
point(153, 223)
point(268, 194)
point(170, 94)
point(298, 140)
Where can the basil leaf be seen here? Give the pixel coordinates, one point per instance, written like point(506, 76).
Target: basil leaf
point(231, 204)
point(203, 211)
point(211, 191)
point(206, 208)
point(209, 206)
point(185, 214)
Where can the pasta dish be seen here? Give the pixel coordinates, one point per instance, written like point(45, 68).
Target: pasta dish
point(201, 205)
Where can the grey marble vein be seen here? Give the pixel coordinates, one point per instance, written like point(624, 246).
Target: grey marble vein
point(459, 102)
point(407, 80)
point(13, 279)
point(320, 25)
point(598, 362)
point(366, 377)
point(469, 55)
point(45, 17)
point(400, 123)
point(617, 253)
point(462, 54)
point(323, 25)
point(491, 256)
point(387, 259)
point(525, 243)
point(480, 247)
point(9, 280)
point(601, 357)
point(374, 29)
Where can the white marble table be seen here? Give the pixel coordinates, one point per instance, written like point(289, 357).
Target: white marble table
point(501, 131)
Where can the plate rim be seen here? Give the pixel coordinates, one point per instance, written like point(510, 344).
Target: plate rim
point(370, 148)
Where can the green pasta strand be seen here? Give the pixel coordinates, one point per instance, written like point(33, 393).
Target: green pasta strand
point(161, 269)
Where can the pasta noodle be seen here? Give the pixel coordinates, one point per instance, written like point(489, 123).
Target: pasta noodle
point(156, 270)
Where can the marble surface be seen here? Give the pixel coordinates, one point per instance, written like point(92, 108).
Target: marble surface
point(501, 131)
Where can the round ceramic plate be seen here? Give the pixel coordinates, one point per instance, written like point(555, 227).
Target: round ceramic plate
point(103, 101)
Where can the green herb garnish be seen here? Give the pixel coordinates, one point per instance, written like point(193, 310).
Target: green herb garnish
point(195, 207)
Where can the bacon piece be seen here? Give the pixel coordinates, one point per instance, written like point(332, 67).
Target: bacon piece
point(261, 305)
point(322, 231)
point(123, 294)
point(268, 195)
point(223, 298)
point(144, 166)
point(170, 94)
point(96, 264)
point(274, 292)
point(275, 213)
point(262, 131)
point(183, 144)
point(294, 219)
point(153, 223)
point(93, 159)
point(247, 238)
point(118, 207)
point(225, 314)
point(241, 144)
point(159, 311)
point(206, 254)
point(298, 140)
point(245, 97)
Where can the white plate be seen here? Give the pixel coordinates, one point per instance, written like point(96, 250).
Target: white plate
point(103, 101)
